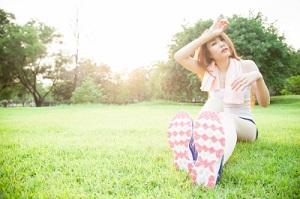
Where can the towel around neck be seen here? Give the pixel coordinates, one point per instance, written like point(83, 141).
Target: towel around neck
point(211, 81)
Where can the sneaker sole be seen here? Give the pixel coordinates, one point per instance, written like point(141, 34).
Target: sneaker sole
point(210, 143)
point(179, 135)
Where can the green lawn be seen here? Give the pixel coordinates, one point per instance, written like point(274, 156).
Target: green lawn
point(111, 151)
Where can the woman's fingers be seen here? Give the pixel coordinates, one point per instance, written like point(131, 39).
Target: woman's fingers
point(239, 83)
point(241, 86)
point(220, 22)
point(236, 81)
point(224, 23)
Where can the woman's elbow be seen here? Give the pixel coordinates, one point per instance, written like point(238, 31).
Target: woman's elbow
point(265, 104)
point(176, 57)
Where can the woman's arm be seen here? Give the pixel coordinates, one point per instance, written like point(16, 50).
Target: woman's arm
point(184, 55)
point(261, 92)
point(254, 78)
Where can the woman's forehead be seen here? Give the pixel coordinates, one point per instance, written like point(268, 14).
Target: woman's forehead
point(214, 39)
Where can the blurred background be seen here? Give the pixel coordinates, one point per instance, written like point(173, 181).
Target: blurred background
point(63, 52)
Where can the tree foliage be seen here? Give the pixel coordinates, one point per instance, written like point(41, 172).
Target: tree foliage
point(178, 83)
point(87, 92)
point(138, 85)
point(292, 86)
point(25, 60)
point(256, 40)
point(62, 91)
point(116, 90)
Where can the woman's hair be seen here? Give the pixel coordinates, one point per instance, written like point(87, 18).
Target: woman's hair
point(252, 98)
point(204, 58)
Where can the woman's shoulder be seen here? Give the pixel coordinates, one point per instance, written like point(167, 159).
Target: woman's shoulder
point(248, 65)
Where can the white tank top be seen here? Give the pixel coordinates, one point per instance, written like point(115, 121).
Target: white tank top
point(241, 110)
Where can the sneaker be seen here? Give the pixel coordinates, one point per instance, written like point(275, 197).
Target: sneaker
point(179, 138)
point(193, 148)
point(209, 143)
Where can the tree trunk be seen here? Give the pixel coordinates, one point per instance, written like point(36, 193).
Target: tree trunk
point(77, 50)
point(38, 101)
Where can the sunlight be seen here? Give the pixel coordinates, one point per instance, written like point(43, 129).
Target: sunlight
point(130, 34)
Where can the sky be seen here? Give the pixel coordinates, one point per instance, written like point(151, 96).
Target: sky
point(126, 34)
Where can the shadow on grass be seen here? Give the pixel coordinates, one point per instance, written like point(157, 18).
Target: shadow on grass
point(288, 99)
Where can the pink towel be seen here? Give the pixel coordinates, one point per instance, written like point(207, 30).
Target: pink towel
point(211, 81)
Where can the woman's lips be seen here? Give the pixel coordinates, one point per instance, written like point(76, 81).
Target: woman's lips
point(224, 50)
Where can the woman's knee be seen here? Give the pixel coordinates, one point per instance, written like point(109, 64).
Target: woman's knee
point(252, 137)
point(246, 139)
point(246, 131)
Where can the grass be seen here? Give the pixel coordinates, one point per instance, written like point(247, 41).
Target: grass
point(113, 151)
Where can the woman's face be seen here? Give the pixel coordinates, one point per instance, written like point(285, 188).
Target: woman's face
point(218, 48)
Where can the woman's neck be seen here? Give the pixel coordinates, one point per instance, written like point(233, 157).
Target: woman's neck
point(223, 64)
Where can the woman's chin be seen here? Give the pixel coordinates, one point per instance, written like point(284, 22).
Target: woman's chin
point(225, 55)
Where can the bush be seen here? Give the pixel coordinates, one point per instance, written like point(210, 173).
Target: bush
point(292, 86)
point(62, 91)
point(88, 92)
point(4, 103)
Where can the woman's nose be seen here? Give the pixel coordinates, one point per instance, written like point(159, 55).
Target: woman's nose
point(222, 44)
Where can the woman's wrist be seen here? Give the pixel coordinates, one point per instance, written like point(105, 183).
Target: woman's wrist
point(258, 75)
point(206, 36)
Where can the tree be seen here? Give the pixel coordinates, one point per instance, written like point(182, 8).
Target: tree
point(116, 90)
point(25, 59)
point(178, 83)
point(6, 20)
point(62, 91)
point(292, 86)
point(100, 73)
point(138, 85)
point(295, 63)
point(155, 80)
point(255, 39)
point(15, 94)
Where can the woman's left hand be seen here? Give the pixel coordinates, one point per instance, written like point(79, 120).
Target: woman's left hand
point(219, 26)
point(245, 80)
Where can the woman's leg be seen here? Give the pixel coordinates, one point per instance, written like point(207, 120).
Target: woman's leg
point(213, 104)
point(230, 132)
point(216, 105)
point(235, 128)
point(180, 133)
point(211, 142)
point(246, 130)
point(215, 135)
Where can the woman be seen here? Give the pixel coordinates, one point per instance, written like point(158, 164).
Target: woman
point(203, 146)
